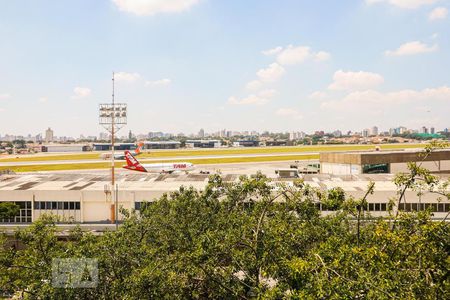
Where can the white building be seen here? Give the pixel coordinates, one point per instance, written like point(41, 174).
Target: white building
point(374, 131)
point(296, 135)
point(82, 198)
point(49, 135)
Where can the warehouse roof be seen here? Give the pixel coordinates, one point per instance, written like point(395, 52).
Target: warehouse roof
point(379, 157)
point(141, 182)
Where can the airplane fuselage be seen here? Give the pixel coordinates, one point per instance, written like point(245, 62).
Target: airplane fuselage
point(163, 167)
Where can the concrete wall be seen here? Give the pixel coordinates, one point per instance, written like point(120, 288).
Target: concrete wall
point(340, 169)
point(434, 166)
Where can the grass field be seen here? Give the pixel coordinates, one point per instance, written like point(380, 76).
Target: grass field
point(207, 152)
point(86, 166)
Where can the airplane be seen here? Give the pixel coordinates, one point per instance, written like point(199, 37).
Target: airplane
point(134, 165)
point(136, 152)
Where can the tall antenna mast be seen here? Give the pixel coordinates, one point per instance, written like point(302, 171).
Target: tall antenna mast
point(112, 117)
point(113, 179)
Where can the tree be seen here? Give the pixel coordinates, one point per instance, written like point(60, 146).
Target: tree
point(8, 210)
point(246, 239)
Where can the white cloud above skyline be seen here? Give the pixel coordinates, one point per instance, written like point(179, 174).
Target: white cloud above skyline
point(350, 81)
point(81, 92)
point(412, 48)
point(405, 4)
point(127, 77)
point(288, 112)
point(272, 51)
point(152, 7)
point(272, 73)
point(438, 13)
point(318, 95)
point(212, 51)
point(159, 82)
point(254, 99)
point(371, 99)
point(292, 55)
point(253, 85)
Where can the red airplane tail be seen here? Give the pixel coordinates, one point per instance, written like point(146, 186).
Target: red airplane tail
point(139, 148)
point(132, 163)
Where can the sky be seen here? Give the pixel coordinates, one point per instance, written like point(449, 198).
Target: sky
point(183, 65)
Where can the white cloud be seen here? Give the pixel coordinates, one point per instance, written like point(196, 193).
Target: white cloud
point(272, 73)
point(288, 112)
point(434, 35)
point(355, 80)
point(371, 100)
point(152, 7)
point(411, 48)
point(438, 13)
point(322, 56)
point(42, 99)
point(272, 51)
point(81, 92)
point(160, 82)
point(253, 85)
point(318, 95)
point(298, 54)
point(5, 96)
point(407, 4)
point(293, 55)
point(124, 76)
point(259, 99)
point(267, 93)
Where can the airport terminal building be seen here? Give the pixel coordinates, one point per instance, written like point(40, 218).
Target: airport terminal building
point(354, 163)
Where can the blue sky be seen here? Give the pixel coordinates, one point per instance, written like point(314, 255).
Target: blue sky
point(241, 65)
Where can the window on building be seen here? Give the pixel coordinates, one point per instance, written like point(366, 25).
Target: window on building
point(375, 168)
point(24, 214)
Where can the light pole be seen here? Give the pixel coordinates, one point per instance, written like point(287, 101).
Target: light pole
point(113, 116)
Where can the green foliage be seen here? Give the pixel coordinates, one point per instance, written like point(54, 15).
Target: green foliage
point(243, 240)
point(334, 199)
point(8, 210)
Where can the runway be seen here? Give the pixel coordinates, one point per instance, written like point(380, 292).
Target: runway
point(150, 160)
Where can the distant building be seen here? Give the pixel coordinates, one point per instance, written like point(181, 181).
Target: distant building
point(432, 131)
point(402, 130)
point(117, 146)
point(374, 131)
point(201, 133)
point(353, 163)
point(155, 134)
point(203, 143)
point(49, 135)
point(337, 133)
point(424, 130)
point(103, 136)
point(65, 148)
point(365, 133)
point(162, 145)
point(296, 135)
point(246, 143)
point(277, 143)
point(38, 138)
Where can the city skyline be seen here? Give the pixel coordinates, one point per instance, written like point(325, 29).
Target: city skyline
point(49, 136)
point(214, 65)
